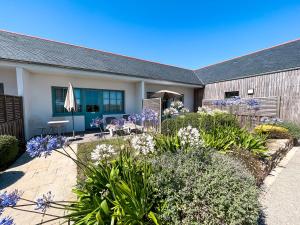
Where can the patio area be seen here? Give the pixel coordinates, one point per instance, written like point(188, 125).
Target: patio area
point(36, 177)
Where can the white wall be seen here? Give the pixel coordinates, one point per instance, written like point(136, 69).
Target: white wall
point(41, 97)
point(8, 78)
point(186, 91)
point(38, 97)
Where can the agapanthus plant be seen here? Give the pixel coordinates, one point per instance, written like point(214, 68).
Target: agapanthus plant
point(189, 137)
point(97, 122)
point(44, 146)
point(102, 152)
point(143, 144)
point(7, 221)
point(44, 202)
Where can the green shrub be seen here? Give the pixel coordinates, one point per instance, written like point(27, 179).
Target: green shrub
point(293, 129)
point(251, 162)
point(208, 121)
point(225, 138)
point(273, 131)
point(171, 126)
point(8, 150)
point(202, 188)
point(115, 193)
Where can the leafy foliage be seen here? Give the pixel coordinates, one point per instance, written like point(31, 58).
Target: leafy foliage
point(167, 143)
point(224, 138)
point(293, 129)
point(115, 193)
point(273, 131)
point(172, 126)
point(8, 149)
point(251, 162)
point(202, 188)
point(209, 121)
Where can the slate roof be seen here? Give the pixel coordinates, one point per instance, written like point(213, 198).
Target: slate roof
point(26, 49)
point(281, 57)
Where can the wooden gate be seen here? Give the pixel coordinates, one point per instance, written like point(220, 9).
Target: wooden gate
point(154, 104)
point(11, 116)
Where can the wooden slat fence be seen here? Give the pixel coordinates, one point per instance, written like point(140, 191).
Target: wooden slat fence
point(11, 116)
point(154, 104)
point(268, 106)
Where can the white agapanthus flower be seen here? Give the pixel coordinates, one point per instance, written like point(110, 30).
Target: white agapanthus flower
point(177, 105)
point(143, 144)
point(184, 110)
point(170, 112)
point(101, 152)
point(189, 137)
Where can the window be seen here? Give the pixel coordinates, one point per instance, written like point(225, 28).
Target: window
point(59, 96)
point(149, 94)
point(113, 101)
point(1, 89)
point(231, 94)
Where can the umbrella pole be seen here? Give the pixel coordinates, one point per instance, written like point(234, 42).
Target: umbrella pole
point(73, 123)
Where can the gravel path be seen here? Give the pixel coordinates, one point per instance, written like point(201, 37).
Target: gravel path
point(281, 200)
point(35, 177)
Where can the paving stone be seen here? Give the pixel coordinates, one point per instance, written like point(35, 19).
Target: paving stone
point(281, 199)
point(37, 176)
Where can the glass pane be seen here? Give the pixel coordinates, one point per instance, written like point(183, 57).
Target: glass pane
point(119, 95)
point(105, 94)
point(59, 100)
point(113, 95)
point(119, 106)
point(106, 105)
point(77, 93)
point(113, 105)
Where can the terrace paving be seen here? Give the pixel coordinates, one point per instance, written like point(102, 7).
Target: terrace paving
point(35, 177)
point(281, 196)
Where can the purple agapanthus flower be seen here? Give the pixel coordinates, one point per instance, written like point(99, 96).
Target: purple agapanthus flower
point(44, 202)
point(149, 115)
point(44, 146)
point(118, 122)
point(252, 103)
point(97, 122)
point(9, 199)
point(135, 118)
point(219, 102)
point(7, 221)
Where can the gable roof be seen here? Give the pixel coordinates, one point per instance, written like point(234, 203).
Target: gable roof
point(280, 57)
point(27, 49)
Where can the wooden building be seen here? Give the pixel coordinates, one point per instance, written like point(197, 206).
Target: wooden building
point(269, 73)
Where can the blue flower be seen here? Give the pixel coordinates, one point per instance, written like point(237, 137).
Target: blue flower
point(9, 199)
point(252, 103)
point(96, 122)
point(43, 146)
point(44, 202)
point(7, 221)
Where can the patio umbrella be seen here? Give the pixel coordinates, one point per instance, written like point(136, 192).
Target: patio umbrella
point(70, 104)
point(166, 94)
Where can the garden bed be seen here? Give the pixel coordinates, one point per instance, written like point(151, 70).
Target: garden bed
point(277, 149)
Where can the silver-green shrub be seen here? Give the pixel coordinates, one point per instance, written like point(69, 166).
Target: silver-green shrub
point(200, 187)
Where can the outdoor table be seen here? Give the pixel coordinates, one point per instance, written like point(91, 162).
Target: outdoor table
point(57, 125)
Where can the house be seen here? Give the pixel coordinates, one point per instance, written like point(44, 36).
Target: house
point(39, 70)
point(109, 84)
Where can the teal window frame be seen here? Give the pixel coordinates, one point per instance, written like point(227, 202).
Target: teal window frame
point(65, 113)
point(83, 102)
point(122, 99)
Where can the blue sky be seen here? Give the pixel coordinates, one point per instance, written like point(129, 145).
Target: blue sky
point(189, 34)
